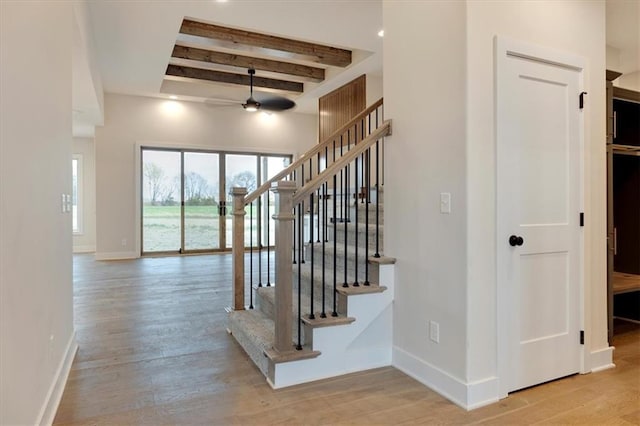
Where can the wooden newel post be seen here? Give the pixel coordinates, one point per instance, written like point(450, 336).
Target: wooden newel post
point(238, 247)
point(283, 218)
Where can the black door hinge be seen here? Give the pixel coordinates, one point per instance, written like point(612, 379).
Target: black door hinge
point(582, 99)
point(582, 337)
point(581, 219)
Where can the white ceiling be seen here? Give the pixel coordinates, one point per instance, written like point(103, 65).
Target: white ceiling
point(134, 39)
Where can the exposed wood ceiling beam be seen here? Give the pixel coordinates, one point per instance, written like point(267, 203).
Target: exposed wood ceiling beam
point(225, 77)
point(311, 51)
point(203, 55)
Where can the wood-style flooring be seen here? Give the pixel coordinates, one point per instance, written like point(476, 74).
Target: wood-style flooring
point(154, 350)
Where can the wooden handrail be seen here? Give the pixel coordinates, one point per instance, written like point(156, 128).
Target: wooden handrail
point(313, 151)
point(340, 163)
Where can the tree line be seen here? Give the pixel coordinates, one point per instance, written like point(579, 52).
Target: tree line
point(161, 190)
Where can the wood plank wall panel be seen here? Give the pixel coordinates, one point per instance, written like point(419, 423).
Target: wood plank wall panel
point(341, 105)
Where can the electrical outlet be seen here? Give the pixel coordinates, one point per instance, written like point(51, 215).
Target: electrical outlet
point(434, 331)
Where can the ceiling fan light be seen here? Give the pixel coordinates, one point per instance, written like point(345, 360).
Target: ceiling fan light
point(251, 105)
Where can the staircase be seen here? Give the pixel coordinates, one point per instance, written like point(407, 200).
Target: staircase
point(327, 310)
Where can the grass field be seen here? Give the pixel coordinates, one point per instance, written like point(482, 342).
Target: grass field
point(161, 227)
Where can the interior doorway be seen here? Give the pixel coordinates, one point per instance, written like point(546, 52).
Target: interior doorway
point(539, 201)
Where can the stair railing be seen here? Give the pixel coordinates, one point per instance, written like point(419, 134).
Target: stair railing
point(290, 202)
point(259, 205)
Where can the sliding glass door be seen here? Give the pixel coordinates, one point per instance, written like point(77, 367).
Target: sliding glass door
point(161, 212)
point(201, 186)
point(185, 203)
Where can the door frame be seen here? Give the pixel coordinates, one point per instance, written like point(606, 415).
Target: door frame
point(504, 48)
point(139, 146)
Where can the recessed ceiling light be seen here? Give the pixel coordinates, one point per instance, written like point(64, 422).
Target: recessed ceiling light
point(173, 97)
point(381, 33)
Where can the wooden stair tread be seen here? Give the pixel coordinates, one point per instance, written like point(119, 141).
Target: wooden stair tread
point(329, 321)
point(293, 355)
point(382, 260)
point(362, 289)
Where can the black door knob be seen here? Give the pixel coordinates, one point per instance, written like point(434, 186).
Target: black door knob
point(515, 240)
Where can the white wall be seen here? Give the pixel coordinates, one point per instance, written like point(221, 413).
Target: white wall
point(86, 241)
point(424, 91)
point(439, 92)
point(577, 27)
point(130, 120)
point(374, 88)
point(36, 312)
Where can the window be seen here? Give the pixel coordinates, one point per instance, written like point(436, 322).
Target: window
point(76, 190)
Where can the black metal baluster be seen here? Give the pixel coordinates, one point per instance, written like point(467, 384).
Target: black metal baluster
point(366, 212)
point(345, 196)
point(323, 314)
point(382, 108)
point(377, 254)
point(335, 242)
point(259, 241)
point(345, 200)
point(362, 123)
point(299, 345)
point(318, 191)
point(301, 240)
point(326, 184)
point(355, 282)
point(294, 229)
point(251, 255)
point(268, 241)
point(341, 179)
point(311, 314)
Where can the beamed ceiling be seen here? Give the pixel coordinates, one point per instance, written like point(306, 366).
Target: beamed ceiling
point(215, 54)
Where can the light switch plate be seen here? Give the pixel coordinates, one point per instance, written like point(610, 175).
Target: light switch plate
point(445, 202)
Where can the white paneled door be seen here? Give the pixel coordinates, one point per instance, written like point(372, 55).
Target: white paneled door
point(539, 237)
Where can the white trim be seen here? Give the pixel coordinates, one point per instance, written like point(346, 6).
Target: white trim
point(117, 255)
point(431, 376)
point(79, 194)
point(465, 395)
point(54, 395)
point(505, 47)
point(482, 392)
point(602, 359)
point(84, 249)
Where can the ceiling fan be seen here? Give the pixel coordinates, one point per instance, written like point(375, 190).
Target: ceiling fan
point(268, 104)
point(274, 103)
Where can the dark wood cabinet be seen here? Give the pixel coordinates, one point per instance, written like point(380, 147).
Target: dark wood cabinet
point(626, 186)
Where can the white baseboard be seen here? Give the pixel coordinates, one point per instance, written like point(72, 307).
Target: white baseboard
point(84, 249)
point(466, 395)
point(602, 359)
point(51, 403)
point(117, 255)
point(482, 392)
point(443, 383)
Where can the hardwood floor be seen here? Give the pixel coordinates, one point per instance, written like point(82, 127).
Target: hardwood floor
point(154, 350)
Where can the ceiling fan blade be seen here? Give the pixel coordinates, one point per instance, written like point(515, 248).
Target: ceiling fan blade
point(276, 104)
